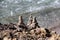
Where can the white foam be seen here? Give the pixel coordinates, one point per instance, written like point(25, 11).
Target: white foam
point(56, 2)
point(29, 0)
point(2, 2)
point(30, 9)
point(10, 1)
point(17, 9)
point(11, 13)
point(41, 1)
point(16, 2)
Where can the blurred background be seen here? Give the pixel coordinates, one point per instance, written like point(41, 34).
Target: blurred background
point(46, 11)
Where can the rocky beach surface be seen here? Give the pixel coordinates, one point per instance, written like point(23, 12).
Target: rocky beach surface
point(29, 31)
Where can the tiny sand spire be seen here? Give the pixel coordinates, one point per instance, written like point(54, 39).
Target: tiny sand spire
point(30, 20)
point(34, 20)
point(20, 20)
point(35, 23)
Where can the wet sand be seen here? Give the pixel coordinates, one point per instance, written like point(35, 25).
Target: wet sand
point(56, 28)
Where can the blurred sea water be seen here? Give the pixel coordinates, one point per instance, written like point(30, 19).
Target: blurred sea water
point(46, 11)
